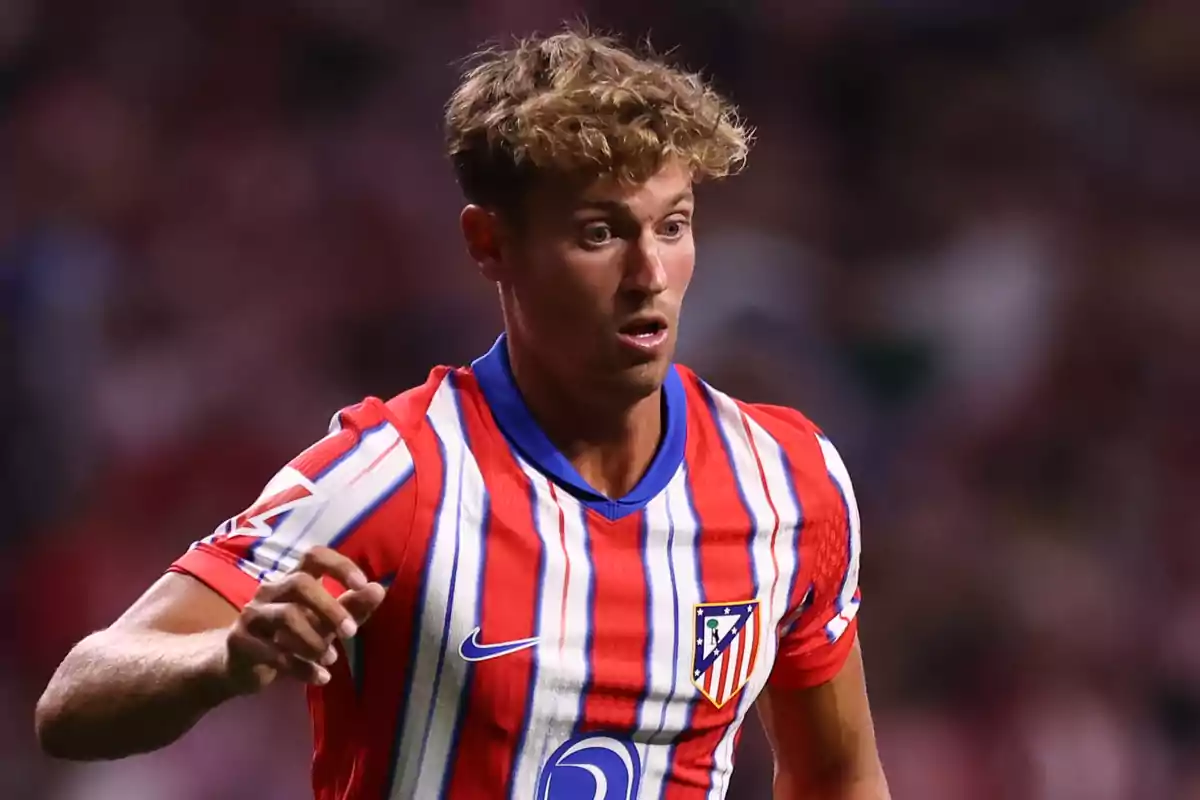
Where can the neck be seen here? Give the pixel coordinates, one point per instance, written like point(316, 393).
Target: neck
point(611, 444)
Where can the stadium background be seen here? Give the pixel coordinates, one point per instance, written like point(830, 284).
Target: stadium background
point(967, 245)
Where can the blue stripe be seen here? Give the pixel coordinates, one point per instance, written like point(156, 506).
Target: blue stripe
point(590, 642)
point(441, 662)
point(469, 675)
point(350, 527)
point(648, 611)
point(662, 717)
point(415, 643)
point(537, 631)
point(691, 709)
point(798, 531)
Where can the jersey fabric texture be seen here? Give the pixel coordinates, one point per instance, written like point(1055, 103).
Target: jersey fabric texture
point(540, 640)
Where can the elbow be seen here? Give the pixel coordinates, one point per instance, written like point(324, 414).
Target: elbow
point(59, 719)
point(50, 724)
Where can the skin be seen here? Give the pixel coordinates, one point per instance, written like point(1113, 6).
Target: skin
point(582, 262)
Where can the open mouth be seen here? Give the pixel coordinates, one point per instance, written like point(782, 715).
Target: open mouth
point(647, 336)
point(645, 330)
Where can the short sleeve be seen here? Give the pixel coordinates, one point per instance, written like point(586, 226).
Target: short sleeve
point(341, 492)
point(819, 633)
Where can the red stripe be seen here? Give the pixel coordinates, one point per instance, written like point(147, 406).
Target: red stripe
point(724, 539)
point(719, 696)
point(495, 705)
point(619, 624)
point(741, 654)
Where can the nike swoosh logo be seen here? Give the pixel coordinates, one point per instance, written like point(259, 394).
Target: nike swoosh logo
point(472, 649)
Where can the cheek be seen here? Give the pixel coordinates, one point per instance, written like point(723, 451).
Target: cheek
point(680, 263)
point(561, 289)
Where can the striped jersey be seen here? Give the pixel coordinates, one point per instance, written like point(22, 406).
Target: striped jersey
point(538, 639)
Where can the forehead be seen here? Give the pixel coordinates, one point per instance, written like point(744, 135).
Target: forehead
point(660, 192)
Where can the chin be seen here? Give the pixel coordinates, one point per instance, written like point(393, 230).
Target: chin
point(642, 380)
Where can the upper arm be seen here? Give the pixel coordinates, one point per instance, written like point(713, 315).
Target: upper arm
point(820, 630)
point(178, 603)
point(823, 736)
point(814, 707)
point(342, 492)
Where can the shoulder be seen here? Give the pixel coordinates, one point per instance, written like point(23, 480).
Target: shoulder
point(790, 428)
point(373, 427)
point(408, 410)
point(811, 458)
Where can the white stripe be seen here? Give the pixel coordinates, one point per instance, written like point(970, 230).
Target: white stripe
point(543, 709)
point(338, 498)
point(716, 685)
point(673, 638)
point(847, 606)
point(731, 674)
point(576, 666)
point(750, 480)
point(432, 642)
point(468, 513)
point(751, 643)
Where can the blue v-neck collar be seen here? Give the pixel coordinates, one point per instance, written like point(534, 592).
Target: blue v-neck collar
point(494, 373)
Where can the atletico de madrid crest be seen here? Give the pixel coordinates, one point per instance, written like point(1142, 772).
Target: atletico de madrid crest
point(725, 648)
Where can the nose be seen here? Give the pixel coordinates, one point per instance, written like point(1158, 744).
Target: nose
point(645, 271)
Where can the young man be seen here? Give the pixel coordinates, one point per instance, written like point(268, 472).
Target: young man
point(565, 572)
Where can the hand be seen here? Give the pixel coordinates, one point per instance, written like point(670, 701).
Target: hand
point(290, 624)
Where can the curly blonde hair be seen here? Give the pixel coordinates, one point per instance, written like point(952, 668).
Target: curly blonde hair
point(579, 105)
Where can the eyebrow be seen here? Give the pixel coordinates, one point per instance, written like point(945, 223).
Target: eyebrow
point(616, 205)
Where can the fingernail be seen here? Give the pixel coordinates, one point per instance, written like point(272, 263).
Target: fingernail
point(330, 657)
point(357, 580)
point(348, 628)
point(322, 676)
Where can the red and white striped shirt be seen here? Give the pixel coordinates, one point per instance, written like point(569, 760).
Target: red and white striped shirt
point(539, 640)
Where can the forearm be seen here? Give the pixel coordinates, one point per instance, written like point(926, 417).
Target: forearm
point(867, 783)
point(874, 788)
point(123, 692)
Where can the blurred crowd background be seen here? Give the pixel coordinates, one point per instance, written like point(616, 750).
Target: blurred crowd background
point(966, 244)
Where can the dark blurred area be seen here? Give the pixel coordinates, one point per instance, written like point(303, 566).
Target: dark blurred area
point(967, 245)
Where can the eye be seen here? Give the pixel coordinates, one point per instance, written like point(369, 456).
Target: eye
point(595, 234)
point(675, 227)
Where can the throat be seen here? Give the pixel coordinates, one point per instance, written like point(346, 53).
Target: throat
point(615, 464)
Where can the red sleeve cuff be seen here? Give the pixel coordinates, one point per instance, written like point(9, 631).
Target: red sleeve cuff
point(219, 571)
point(813, 669)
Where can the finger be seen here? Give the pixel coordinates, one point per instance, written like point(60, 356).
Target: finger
point(321, 561)
point(305, 671)
point(270, 654)
point(254, 651)
point(294, 645)
point(361, 603)
point(329, 615)
point(270, 621)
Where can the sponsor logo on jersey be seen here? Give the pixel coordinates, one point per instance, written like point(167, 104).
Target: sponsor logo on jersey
point(591, 767)
point(472, 649)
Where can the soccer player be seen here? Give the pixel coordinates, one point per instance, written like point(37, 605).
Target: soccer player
point(567, 571)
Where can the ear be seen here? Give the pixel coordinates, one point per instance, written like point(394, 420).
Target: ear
point(482, 232)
